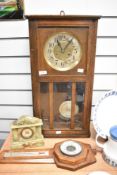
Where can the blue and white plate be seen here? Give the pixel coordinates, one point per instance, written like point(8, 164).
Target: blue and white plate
point(105, 113)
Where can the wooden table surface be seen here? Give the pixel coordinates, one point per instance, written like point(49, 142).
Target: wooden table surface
point(51, 169)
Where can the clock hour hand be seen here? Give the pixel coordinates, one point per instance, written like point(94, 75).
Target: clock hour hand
point(59, 44)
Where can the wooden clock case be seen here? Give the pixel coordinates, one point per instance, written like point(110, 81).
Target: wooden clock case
point(51, 87)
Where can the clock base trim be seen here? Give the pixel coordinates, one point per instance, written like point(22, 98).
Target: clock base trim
point(65, 134)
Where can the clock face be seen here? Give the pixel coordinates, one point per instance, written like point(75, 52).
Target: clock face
point(27, 133)
point(62, 51)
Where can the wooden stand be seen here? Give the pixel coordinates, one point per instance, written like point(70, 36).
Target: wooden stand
point(30, 156)
point(86, 157)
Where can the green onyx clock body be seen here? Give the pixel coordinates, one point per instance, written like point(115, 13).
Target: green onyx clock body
point(26, 132)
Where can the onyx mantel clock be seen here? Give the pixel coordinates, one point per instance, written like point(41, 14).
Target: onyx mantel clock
point(62, 67)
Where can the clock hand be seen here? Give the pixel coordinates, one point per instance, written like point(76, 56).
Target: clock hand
point(67, 44)
point(59, 44)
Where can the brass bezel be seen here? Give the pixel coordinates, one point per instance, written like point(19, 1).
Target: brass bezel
point(71, 65)
point(30, 135)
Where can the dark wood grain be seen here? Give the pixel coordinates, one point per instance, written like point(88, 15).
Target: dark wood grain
point(84, 28)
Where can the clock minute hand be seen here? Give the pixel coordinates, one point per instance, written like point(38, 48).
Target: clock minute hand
point(67, 44)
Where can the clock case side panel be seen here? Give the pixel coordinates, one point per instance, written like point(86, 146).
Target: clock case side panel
point(34, 67)
point(90, 70)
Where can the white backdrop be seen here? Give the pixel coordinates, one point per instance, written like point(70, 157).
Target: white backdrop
point(79, 7)
point(15, 77)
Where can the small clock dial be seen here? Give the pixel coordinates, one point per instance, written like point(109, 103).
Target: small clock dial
point(62, 51)
point(27, 133)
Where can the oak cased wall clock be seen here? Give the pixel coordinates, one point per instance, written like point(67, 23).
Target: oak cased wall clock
point(62, 67)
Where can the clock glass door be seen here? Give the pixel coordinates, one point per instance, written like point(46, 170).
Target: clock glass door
point(62, 105)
